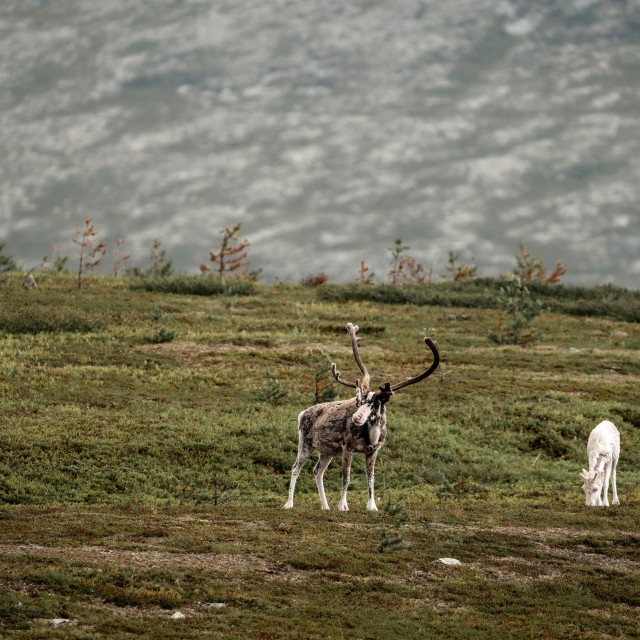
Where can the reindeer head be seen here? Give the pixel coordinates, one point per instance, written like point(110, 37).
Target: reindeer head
point(371, 403)
point(593, 480)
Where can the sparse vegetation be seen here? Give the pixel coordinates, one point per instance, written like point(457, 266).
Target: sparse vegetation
point(404, 268)
point(7, 263)
point(457, 271)
point(138, 478)
point(315, 279)
point(158, 267)
point(393, 517)
point(120, 259)
point(231, 258)
point(483, 293)
point(195, 285)
point(56, 263)
point(91, 250)
point(159, 333)
point(364, 277)
point(34, 319)
point(319, 381)
point(530, 267)
point(272, 390)
point(518, 308)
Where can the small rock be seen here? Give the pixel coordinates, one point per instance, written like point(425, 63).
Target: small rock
point(178, 615)
point(56, 622)
point(449, 561)
point(213, 605)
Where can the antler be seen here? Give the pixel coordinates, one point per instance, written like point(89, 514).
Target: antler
point(336, 375)
point(364, 384)
point(434, 365)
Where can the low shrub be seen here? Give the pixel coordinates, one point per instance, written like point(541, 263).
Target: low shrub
point(207, 285)
point(482, 293)
point(160, 336)
point(433, 295)
point(47, 320)
point(518, 309)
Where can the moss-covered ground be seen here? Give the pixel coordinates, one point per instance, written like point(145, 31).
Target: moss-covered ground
point(143, 472)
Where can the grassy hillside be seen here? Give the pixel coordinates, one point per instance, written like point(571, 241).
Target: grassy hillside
point(127, 413)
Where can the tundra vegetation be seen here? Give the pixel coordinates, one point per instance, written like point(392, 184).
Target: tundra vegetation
point(142, 478)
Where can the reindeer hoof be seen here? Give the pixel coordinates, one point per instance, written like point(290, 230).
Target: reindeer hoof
point(288, 505)
point(343, 507)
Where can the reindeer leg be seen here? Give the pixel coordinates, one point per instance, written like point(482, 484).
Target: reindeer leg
point(370, 463)
point(605, 484)
point(346, 478)
point(305, 449)
point(613, 478)
point(318, 472)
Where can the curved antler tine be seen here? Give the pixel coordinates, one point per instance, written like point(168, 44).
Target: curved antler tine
point(352, 329)
point(434, 365)
point(336, 375)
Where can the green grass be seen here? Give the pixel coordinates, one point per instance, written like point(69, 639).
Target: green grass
point(116, 448)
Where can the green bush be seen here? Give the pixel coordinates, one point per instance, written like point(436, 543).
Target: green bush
point(443, 294)
point(160, 336)
point(196, 285)
point(482, 293)
point(35, 320)
point(518, 309)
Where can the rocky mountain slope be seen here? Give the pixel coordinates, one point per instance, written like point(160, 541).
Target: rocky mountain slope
point(328, 128)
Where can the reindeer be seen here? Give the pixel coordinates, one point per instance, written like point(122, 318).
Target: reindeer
point(603, 451)
point(345, 427)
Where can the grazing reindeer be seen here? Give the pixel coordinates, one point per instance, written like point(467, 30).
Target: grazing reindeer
point(345, 427)
point(603, 449)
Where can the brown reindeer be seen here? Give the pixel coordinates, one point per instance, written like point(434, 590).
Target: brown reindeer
point(345, 427)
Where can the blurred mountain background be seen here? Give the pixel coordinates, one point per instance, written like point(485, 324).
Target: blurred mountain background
point(329, 129)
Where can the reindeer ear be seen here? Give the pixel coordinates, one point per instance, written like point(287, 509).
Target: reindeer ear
point(583, 475)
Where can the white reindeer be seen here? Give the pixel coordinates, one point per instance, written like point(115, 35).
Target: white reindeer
point(30, 282)
point(345, 427)
point(603, 450)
